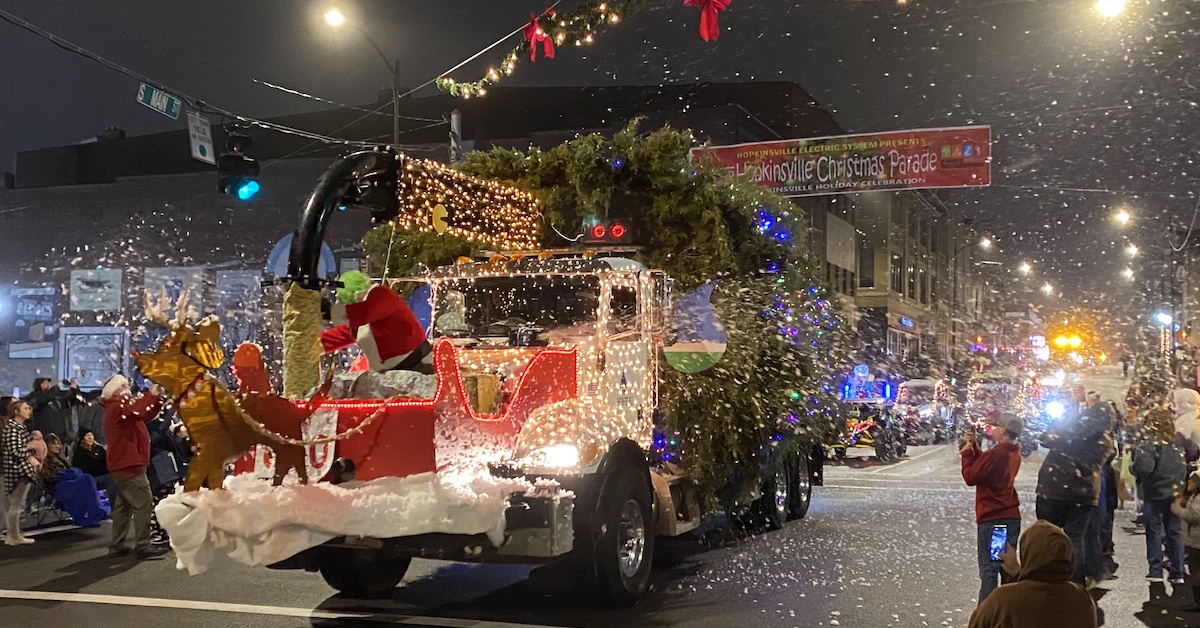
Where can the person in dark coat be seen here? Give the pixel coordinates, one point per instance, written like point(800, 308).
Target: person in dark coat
point(91, 458)
point(1158, 464)
point(1068, 487)
point(52, 406)
point(54, 462)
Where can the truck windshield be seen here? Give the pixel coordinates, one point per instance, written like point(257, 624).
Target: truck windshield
point(549, 301)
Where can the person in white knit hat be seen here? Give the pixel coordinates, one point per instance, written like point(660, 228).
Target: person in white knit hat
point(125, 418)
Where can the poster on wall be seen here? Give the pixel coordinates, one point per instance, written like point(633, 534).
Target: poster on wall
point(91, 355)
point(35, 317)
point(238, 293)
point(95, 290)
point(175, 280)
point(948, 157)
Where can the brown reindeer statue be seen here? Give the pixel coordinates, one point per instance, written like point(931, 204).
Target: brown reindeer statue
point(214, 416)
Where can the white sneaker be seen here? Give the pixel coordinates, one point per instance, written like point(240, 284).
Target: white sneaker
point(1155, 579)
point(1178, 581)
point(25, 541)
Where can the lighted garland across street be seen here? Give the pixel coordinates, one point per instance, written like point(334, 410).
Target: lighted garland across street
point(437, 199)
point(575, 27)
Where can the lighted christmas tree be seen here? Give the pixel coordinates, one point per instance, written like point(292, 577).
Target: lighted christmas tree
point(693, 220)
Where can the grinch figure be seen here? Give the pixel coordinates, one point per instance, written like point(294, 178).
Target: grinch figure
point(379, 321)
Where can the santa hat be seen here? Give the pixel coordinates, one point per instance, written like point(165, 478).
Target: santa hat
point(113, 385)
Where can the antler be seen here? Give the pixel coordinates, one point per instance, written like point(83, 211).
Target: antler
point(181, 310)
point(154, 307)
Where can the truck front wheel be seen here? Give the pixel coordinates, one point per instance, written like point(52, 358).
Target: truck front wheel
point(621, 536)
point(363, 573)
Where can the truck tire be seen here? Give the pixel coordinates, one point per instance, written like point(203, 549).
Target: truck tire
point(773, 508)
point(362, 573)
point(801, 488)
point(617, 545)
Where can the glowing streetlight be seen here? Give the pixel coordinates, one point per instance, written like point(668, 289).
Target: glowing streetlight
point(1047, 288)
point(1110, 8)
point(985, 243)
point(1025, 268)
point(334, 18)
point(1131, 250)
point(1122, 217)
point(1163, 318)
point(1127, 273)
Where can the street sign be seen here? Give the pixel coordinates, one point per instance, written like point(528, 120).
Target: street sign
point(200, 133)
point(159, 101)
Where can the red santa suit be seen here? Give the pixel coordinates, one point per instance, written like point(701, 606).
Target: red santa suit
point(382, 326)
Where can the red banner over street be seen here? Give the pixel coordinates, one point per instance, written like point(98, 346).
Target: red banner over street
point(897, 160)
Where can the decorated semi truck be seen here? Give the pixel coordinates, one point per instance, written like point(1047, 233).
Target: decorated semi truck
point(533, 439)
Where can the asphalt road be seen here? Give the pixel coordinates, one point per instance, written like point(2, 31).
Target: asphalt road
point(883, 545)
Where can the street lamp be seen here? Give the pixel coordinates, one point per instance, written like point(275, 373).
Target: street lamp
point(336, 19)
point(1131, 250)
point(1122, 217)
point(1163, 318)
point(1047, 288)
point(1127, 273)
point(1025, 268)
point(1110, 8)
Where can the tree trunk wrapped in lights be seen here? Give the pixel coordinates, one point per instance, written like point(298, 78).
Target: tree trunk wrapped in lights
point(301, 341)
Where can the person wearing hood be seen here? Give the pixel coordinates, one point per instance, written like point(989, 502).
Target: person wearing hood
point(125, 418)
point(1042, 594)
point(997, 506)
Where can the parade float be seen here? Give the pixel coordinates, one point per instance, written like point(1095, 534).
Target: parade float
point(588, 392)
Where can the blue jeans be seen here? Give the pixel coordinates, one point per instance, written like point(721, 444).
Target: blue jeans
point(1162, 528)
point(990, 573)
point(1074, 519)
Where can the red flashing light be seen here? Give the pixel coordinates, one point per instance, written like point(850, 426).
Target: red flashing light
point(598, 231)
point(617, 230)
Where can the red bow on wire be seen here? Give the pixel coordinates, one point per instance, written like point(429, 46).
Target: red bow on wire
point(534, 34)
point(708, 16)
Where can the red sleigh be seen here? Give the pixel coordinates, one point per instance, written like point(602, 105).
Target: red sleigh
point(421, 435)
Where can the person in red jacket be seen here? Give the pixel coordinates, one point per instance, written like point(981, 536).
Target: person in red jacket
point(125, 418)
point(992, 473)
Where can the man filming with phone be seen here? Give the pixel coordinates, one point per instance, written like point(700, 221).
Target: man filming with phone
point(997, 507)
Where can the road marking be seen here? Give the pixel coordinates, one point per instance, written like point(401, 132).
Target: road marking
point(917, 457)
point(255, 609)
point(937, 489)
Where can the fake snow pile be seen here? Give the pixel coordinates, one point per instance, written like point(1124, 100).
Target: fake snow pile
point(257, 524)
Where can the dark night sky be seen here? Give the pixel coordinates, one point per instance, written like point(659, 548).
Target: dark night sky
point(1077, 102)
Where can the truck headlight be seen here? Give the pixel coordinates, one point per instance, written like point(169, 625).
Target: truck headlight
point(554, 456)
point(1055, 410)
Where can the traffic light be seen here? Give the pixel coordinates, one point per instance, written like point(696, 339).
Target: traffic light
point(598, 230)
point(237, 174)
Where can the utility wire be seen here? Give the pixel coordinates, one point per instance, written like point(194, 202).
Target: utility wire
point(193, 102)
point(269, 84)
point(476, 55)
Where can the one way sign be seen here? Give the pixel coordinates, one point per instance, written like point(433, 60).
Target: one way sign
point(200, 133)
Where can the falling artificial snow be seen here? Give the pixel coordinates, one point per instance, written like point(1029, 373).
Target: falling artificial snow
point(257, 524)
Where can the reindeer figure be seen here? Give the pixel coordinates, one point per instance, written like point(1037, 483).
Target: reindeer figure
point(211, 413)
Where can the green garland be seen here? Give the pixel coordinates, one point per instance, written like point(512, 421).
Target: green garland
point(570, 28)
point(774, 391)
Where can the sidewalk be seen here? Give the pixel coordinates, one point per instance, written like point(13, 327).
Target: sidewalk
point(1132, 602)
